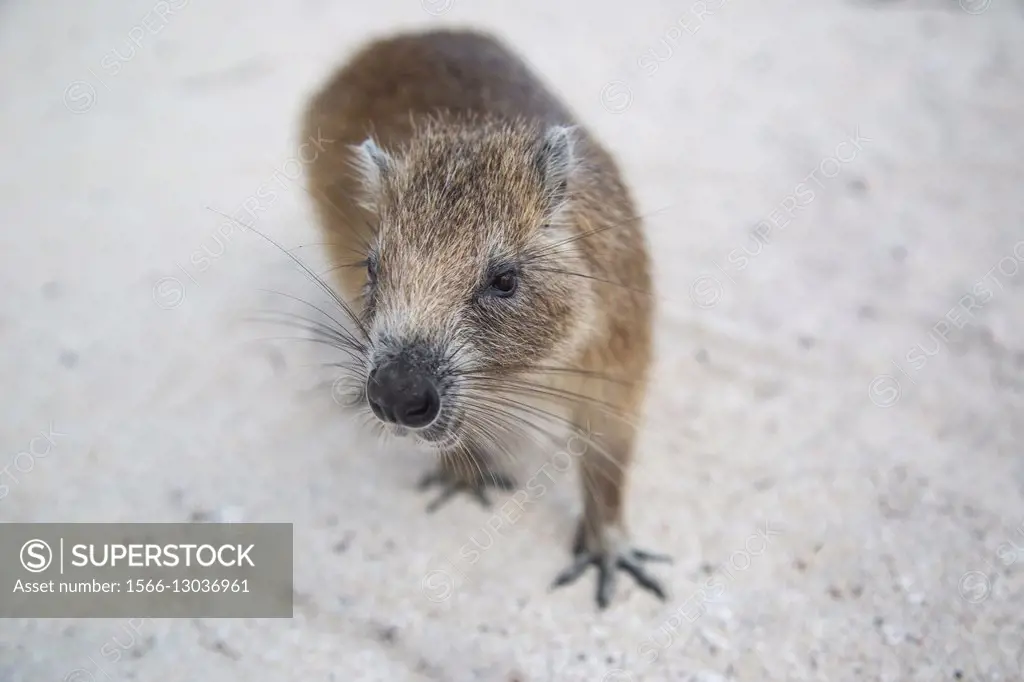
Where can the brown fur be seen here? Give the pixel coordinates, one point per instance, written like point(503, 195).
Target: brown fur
point(460, 120)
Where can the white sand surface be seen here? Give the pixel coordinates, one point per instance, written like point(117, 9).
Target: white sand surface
point(826, 380)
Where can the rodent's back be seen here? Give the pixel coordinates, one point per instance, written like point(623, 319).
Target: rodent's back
point(458, 72)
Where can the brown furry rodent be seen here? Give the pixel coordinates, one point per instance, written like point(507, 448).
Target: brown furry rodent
point(493, 267)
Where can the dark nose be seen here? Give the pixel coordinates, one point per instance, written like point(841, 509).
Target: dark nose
point(403, 395)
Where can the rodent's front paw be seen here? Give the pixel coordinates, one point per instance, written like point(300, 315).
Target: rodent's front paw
point(452, 481)
point(609, 558)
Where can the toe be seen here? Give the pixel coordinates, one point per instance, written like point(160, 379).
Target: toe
point(608, 566)
point(642, 577)
point(447, 494)
point(574, 571)
point(480, 493)
point(651, 556)
point(429, 479)
point(606, 579)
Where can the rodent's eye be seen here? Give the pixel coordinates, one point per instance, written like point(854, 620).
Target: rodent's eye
point(371, 270)
point(504, 284)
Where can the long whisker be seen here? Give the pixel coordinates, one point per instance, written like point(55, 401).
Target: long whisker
point(326, 342)
point(320, 310)
point(569, 240)
point(320, 337)
point(526, 369)
point(354, 264)
point(489, 421)
point(596, 279)
point(537, 412)
point(519, 407)
point(365, 243)
point(470, 459)
point(342, 337)
point(589, 233)
point(286, 318)
point(305, 246)
point(537, 400)
point(455, 352)
point(529, 389)
point(508, 414)
point(312, 275)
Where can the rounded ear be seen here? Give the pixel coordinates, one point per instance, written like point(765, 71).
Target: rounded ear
point(373, 164)
point(557, 161)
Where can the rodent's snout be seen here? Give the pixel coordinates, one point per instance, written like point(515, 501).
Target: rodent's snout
point(399, 393)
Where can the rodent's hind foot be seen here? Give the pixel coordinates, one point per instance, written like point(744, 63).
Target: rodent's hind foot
point(610, 559)
point(451, 483)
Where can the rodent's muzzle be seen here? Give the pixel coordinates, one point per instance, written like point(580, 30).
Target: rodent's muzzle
point(401, 393)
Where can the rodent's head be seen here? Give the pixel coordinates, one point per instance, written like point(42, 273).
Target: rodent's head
point(474, 273)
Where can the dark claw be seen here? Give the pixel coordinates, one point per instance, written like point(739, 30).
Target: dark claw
point(650, 556)
point(481, 496)
point(574, 571)
point(446, 494)
point(430, 479)
point(642, 578)
point(452, 485)
point(606, 580)
point(607, 565)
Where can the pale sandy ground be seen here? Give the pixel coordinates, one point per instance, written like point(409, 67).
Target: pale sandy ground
point(895, 504)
